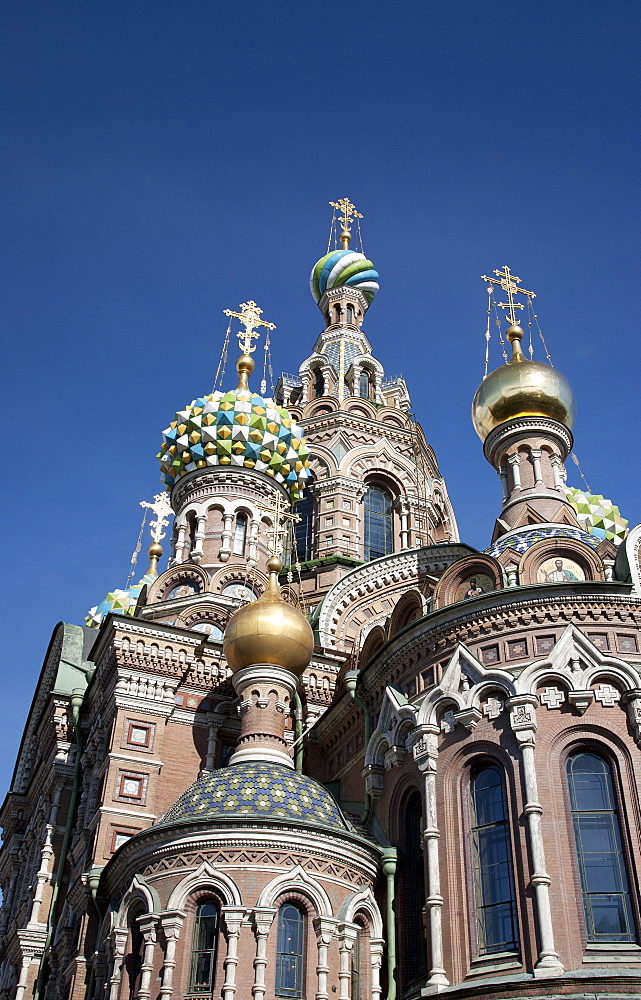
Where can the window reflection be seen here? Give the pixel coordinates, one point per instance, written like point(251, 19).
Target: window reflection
point(203, 952)
point(289, 952)
point(378, 523)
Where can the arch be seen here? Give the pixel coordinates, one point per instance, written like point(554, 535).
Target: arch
point(138, 892)
point(374, 641)
point(408, 608)
point(297, 881)
point(182, 575)
point(560, 548)
point(467, 579)
point(211, 880)
point(364, 901)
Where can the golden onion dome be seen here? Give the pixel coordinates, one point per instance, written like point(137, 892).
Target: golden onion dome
point(522, 388)
point(269, 631)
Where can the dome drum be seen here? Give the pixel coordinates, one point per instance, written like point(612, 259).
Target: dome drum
point(525, 427)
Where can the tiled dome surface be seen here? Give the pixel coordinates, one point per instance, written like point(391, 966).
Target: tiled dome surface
point(235, 428)
point(257, 791)
point(120, 601)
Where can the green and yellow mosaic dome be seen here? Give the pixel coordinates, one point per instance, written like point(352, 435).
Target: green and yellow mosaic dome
point(256, 790)
point(236, 428)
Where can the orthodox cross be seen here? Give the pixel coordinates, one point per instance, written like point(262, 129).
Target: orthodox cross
point(162, 509)
point(282, 519)
point(249, 316)
point(509, 284)
point(348, 213)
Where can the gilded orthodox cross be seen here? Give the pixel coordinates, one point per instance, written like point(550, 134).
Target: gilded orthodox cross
point(347, 214)
point(249, 316)
point(163, 510)
point(282, 520)
point(509, 284)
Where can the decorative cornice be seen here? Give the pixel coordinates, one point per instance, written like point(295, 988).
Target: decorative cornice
point(526, 425)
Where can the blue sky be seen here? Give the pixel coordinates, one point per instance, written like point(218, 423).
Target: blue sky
point(164, 161)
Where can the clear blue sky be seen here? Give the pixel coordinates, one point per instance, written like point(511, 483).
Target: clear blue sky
point(164, 161)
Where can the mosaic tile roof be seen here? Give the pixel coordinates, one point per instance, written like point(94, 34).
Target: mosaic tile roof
point(521, 540)
point(237, 428)
point(123, 602)
point(344, 267)
point(598, 516)
point(256, 790)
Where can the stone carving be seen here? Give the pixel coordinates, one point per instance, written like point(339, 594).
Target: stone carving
point(607, 695)
point(552, 697)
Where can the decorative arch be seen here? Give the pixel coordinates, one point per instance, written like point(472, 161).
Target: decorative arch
point(297, 881)
point(362, 901)
point(139, 891)
point(374, 641)
point(560, 548)
point(236, 573)
point(409, 608)
point(464, 578)
point(361, 406)
point(185, 574)
point(208, 878)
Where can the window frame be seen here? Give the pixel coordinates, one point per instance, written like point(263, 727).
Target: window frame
point(239, 537)
point(387, 527)
point(194, 951)
point(280, 991)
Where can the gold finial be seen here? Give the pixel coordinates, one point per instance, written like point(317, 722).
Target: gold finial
point(249, 316)
point(509, 284)
point(282, 519)
point(348, 214)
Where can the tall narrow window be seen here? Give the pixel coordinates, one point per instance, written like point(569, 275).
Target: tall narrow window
point(412, 892)
point(240, 534)
point(350, 313)
point(492, 862)
point(378, 523)
point(604, 881)
point(203, 950)
point(133, 961)
point(363, 385)
point(289, 952)
point(303, 530)
point(319, 384)
point(356, 968)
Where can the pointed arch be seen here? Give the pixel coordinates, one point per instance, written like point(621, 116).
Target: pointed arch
point(297, 880)
point(205, 877)
point(365, 902)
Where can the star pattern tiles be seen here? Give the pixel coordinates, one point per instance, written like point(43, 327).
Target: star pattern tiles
point(257, 790)
point(122, 602)
point(598, 516)
point(237, 428)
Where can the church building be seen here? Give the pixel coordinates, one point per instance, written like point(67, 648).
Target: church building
point(333, 751)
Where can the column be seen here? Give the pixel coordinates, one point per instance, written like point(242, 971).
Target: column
point(24, 973)
point(252, 550)
point(215, 720)
point(234, 916)
point(226, 537)
point(119, 937)
point(376, 946)
point(346, 940)
point(199, 538)
point(514, 461)
point(536, 462)
point(425, 751)
point(42, 876)
point(147, 923)
point(263, 917)
point(171, 922)
point(325, 928)
point(523, 723)
point(555, 461)
point(404, 514)
point(180, 543)
point(506, 489)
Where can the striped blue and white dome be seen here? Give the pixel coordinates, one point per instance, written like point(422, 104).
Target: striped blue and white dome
point(344, 267)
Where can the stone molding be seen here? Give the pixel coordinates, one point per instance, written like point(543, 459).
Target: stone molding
point(526, 425)
point(203, 485)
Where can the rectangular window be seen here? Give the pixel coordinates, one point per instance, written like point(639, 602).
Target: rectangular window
point(428, 677)
point(329, 521)
point(545, 644)
point(131, 786)
point(240, 533)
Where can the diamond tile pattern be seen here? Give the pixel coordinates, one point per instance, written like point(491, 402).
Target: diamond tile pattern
point(236, 428)
point(123, 602)
point(598, 516)
point(258, 790)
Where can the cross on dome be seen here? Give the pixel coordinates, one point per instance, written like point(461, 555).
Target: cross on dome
point(163, 510)
point(249, 316)
point(282, 519)
point(348, 213)
point(509, 284)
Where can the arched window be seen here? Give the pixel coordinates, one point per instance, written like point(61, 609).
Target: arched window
point(240, 534)
point(133, 960)
point(597, 832)
point(363, 385)
point(289, 951)
point(203, 949)
point(304, 529)
point(319, 384)
point(350, 313)
point(378, 523)
point(412, 892)
point(492, 861)
point(356, 967)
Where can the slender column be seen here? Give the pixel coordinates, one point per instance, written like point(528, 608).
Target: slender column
point(234, 916)
point(43, 875)
point(555, 461)
point(404, 525)
point(389, 859)
point(252, 549)
point(325, 928)
point(171, 922)
point(376, 946)
point(180, 543)
point(536, 462)
point(118, 944)
point(147, 923)
point(346, 940)
point(24, 973)
point(506, 489)
point(514, 461)
point(263, 917)
point(226, 537)
point(199, 537)
point(425, 752)
point(215, 721)
point(523, 722)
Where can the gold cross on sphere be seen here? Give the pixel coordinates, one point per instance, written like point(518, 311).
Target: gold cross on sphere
point(249, 316)
point(509, 283)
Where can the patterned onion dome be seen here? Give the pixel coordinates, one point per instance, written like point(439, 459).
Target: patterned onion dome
point(256, 790)
point(598, 516)
point(344, 267)
point(123, 602)
point(235, 428)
